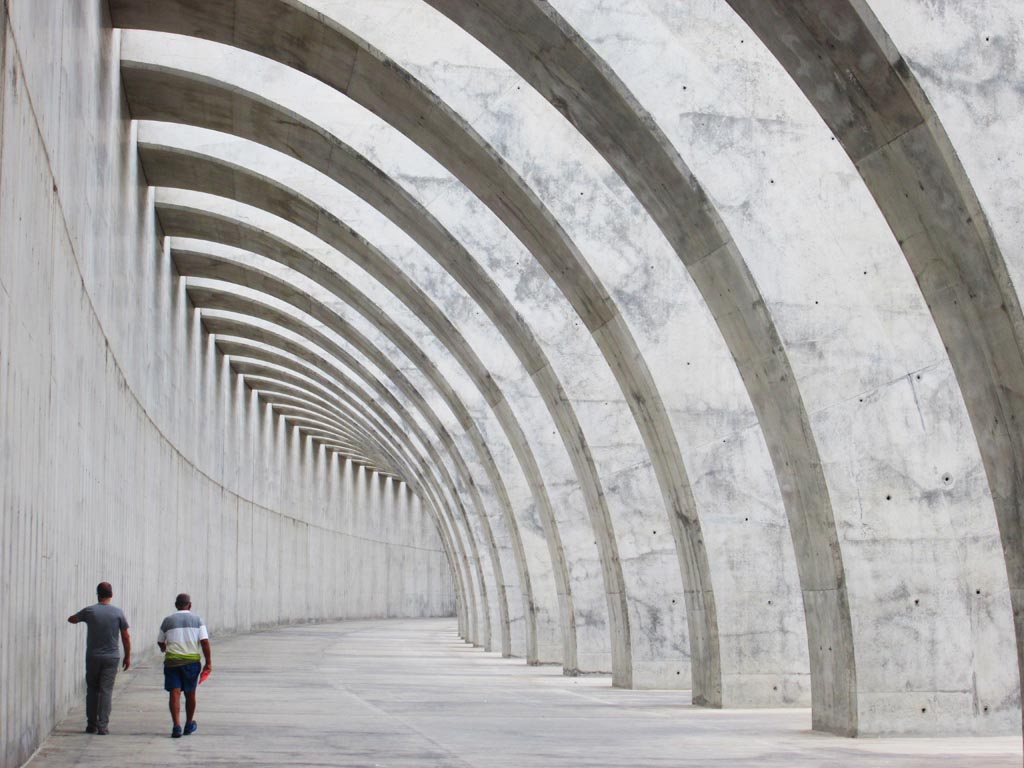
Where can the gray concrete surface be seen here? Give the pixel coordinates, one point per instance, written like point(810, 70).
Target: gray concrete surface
point(680, 341)
point(411, 693)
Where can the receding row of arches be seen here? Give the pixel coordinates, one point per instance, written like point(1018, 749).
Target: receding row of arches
point(564, 549)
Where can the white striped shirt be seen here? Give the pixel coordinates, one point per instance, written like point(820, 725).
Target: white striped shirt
point(182, 631)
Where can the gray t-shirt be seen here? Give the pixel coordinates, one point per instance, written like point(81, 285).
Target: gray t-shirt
point(105, 622)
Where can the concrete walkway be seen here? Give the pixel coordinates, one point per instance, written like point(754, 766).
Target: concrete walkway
point(410, 693)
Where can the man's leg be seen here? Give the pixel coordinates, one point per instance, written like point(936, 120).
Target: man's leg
point(105, 692)
point(175, 705)
point(92, 681)
point(190, 706)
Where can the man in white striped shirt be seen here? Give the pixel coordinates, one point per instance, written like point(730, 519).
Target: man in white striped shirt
point(182, 636)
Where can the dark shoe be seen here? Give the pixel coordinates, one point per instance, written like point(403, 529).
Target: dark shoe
point(90, 729)
point(102, 731)
point(190, 728)
point(176, 732)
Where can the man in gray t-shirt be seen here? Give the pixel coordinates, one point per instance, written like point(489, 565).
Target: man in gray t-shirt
point(106, 622)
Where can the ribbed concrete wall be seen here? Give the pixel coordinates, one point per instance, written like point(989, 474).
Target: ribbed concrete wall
point(129, 450)
point(693, 327)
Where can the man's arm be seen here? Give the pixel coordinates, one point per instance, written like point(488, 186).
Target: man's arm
point(206, 652)
point(73, 618)
point(126, 641)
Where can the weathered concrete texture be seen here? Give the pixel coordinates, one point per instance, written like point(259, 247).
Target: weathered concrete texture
point(534, 537)
point(409, 693)
point(884, 121)
point(670, 340)
point(853, 362)
point(350, 351)
point(368, 78)
point(129, 451)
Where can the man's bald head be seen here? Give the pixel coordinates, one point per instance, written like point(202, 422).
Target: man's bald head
point(104, 591)
point(183, 601)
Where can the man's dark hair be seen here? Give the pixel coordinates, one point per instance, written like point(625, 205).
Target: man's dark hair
point(181, 601)
point(104, 591)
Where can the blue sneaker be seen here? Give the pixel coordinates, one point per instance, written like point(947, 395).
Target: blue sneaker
point(190, 728)
point(176, 732)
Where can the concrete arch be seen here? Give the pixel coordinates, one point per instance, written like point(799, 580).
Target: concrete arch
point(395, 375)
point(477, 623)
point(426, 490)
point(421, 479)
point(330, 442)
point(276, 374)
point(471, 561)
point(852, 73)
point(289, 397)
point(195, 223)
point(348, 396)
point(171, 167)
point(538, 44)
point(289, 391)
point(285, 400)
point(357, 70)
point(158, 93)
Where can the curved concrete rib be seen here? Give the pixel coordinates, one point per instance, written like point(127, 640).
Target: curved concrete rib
point(345, 62)
point(851, 72)
point(347, 391)
point(288, 398)
point(341, 444)
point(351, 393)
point(157, 93)
point(327, 438)
point(421, 479)
point(285, 401)
point(329, 398)
point(191, 222)
point(287, 394)
point(174, 167)
point(290, 394)
point(365, 347)
point(536, 42)
point(275, 372)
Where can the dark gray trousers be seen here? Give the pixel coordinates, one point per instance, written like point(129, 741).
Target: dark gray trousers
point(99, 683)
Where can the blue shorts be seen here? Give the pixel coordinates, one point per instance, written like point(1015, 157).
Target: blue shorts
point(185, 677)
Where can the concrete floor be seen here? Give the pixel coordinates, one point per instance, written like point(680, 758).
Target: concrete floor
point(410, 693)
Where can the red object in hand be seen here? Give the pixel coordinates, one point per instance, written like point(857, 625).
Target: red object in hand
point(204, 675)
